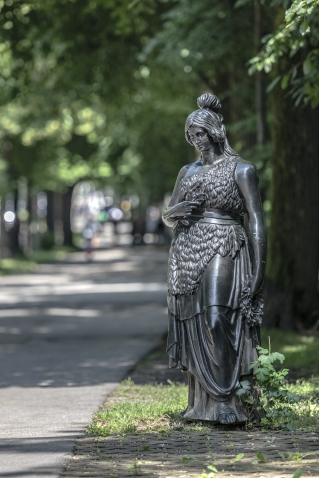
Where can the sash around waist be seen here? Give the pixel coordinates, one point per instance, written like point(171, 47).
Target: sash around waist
point(222, 221)
point(217, 213)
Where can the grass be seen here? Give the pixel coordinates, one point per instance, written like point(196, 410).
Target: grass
point(300, 351)
point(151, 407)
point(305, 414)
point(16, 266)
point(156, 407)
point(29, 263)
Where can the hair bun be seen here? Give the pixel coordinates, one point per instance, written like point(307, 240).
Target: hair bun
point(209, 101)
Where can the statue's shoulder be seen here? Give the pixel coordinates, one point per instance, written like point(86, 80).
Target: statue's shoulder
point(194, 165)
point(245, 169)
point(189, 166)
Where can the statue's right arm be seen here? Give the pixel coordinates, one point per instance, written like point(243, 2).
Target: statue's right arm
point(168, 213)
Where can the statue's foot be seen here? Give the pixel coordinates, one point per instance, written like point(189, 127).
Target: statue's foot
point(227, 418)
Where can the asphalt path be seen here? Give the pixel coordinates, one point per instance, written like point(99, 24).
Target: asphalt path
point(69, 333)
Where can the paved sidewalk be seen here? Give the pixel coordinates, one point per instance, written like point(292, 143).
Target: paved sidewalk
point(188, 454)
point(68, 334)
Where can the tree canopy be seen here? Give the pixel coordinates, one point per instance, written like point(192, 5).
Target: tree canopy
point(100, 90)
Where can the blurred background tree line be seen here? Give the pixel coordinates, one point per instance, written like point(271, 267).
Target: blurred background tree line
point(99, 91)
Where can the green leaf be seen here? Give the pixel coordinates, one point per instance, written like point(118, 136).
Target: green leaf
point(241, 3)
point(284, 81)
point(212, 468)
point(290, 427)
point(304, 28)
point(248, 399)
point(241, 391)
point(255, 462)
point(307, 67)
point(298, 473)
point(245, 384)
point(266, 359)
point(273, 84)
point(262, 373)
point(293, 398)
point(278, 356)
point(239, 457)
point(261, 457)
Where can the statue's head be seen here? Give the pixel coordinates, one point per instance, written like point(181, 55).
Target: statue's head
point(206, 121)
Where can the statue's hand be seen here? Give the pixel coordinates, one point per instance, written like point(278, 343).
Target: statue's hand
point(183, 209)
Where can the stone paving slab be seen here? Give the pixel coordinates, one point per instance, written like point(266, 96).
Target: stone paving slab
point(189, 453)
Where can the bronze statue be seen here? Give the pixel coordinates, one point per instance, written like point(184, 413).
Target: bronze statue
point(215, 271)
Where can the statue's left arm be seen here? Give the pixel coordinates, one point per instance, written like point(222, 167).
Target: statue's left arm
point(247, 179)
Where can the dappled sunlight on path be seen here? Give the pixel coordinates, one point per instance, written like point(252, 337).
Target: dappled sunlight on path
point(68, 334)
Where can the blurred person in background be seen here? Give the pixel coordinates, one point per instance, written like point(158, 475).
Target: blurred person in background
point(90, 229)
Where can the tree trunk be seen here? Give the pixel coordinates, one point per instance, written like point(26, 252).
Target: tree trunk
point(50, 211)
point(14, 230)
point(260, 77)
point(66, 216)
point(293, 253)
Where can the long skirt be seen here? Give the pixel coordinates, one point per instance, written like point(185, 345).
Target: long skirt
point(208, 338)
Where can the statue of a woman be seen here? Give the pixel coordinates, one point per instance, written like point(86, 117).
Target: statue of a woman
point(215, 272)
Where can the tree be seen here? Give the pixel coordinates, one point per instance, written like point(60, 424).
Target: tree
point(293, 261)
point(77, 100)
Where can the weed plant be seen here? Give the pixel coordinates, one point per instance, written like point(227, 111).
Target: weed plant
point(282, 405)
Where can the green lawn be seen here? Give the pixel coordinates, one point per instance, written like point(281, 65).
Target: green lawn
point(29, 263)
point(301, 351)
point(156, 407)
point(144, 407)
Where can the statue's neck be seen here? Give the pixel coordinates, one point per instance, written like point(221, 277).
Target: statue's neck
point(213, 154)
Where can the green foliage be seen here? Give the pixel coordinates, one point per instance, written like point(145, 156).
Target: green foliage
point(156, 408)
point(102, 92)
point(238, 457)
point(78, 101)
point(210, 472)
point(137, 465)
point(14, 266)
point(260, 457)
point(276, 401)
point(296, 39)
point(300, 351)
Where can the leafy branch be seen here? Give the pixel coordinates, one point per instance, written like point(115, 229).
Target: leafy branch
point(289, 39)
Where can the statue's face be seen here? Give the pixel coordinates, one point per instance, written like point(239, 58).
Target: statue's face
point(200, 138)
